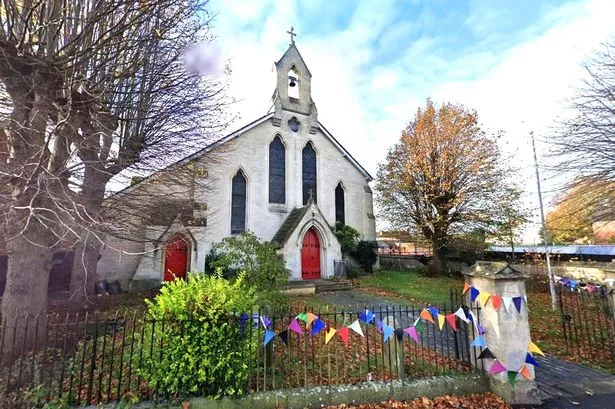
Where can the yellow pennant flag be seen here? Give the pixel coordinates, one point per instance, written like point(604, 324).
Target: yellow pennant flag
point(466, 287)
point(329, 334)
point(441, 319)
point(426, 314)
point(534, 348)
point(310, 319)
point(484, 297)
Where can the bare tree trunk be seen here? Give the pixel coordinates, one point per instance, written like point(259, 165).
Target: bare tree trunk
point(29, 264)
point(83, 277)
point(436, 265)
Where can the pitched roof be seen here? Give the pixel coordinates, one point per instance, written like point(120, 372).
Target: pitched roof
point(290, 224)
point(300, 57)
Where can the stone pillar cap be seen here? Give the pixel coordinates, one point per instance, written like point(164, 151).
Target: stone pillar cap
point(495, 270)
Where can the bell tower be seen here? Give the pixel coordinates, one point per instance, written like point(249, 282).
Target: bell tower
point(292, 97)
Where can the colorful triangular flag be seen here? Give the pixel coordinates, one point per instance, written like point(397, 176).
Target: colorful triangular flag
point(512, 377)
point(496, 301)
point(507, 303)
point(284, 337)
point(318, 326)
point(295, 326)
point(269, 335)
point(486, 354)
point(435, 311)
point(310, 318)
point(356, 327)
point(367, 316)
point(411, 331)
point(529, 359)
point(496, 368)
point(425, 314)
point(302, 317)
point(329, 334)
point(441, 320)
point(517, 301)
point(534, 348)
point(418, 326)
point(462, 315)
point(387, 331)
point(525, 372)
point(452, 321)
point(468, 313)
point(483, 298)
point(474, 293)
point(265, 321)
point(466, 287)
point(378, 324)
point(480, 329)
point(478, 342)
point(344, 334)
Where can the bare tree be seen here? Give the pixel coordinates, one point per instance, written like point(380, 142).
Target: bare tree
point(91, 91)
point(583, 145)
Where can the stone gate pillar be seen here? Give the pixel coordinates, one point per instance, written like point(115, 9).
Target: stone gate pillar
point(507, 331)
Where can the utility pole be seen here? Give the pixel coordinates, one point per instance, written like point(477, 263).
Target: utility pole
point(544, 228)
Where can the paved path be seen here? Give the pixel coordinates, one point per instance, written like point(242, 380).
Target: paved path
point(563, 384)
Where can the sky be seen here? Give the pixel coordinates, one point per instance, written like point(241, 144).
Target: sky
point(373, 63)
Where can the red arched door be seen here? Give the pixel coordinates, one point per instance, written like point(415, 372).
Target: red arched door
point(175, 259)
point(310, 256)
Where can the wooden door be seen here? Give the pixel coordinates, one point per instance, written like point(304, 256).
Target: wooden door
point(175, 259)
point(310, 256)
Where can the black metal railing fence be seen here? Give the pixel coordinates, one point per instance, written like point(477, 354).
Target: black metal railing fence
point(87, 359)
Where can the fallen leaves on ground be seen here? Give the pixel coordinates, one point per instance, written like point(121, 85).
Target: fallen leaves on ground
point(474, 401)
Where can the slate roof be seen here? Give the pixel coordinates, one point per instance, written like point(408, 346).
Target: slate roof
point(289, 225)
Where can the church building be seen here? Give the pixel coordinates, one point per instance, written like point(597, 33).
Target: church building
point(283, 177)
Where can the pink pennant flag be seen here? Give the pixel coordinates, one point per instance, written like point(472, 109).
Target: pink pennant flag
point(496, 301)
point(411, 331)
point(496, 368)
point(294, 326)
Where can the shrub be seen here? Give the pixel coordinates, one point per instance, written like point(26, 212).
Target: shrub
point(365, 254)
point(201, 339)
point(258, 260)
point(347, 236)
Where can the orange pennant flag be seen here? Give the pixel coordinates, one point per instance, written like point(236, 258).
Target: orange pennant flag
point(534, 348)
point(426, 314)
point(496, 301)
point(525, 372)
point(310, 319)
point(466, 287)
point(329, 335)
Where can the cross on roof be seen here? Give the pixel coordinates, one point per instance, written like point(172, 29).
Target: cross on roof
point(292, 35)
point(311, 199)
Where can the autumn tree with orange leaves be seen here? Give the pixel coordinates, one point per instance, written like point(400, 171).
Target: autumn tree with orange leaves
point(444, 177)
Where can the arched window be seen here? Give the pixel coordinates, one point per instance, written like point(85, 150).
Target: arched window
point(309, 173)
point(340, 215)
point(238, 203)
point(277, 171)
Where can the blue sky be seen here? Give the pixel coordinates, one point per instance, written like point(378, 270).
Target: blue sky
point(373, 63)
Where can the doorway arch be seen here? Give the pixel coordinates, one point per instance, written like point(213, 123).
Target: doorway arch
point(310, 255)
point(176, 253)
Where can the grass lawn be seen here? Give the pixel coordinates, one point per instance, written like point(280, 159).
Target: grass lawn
point(411, 285)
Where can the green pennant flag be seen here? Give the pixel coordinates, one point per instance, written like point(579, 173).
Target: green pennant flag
point(302, 317)
point(419, 326)
point(512, 378)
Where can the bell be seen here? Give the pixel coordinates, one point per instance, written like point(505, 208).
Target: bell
point(292, 81)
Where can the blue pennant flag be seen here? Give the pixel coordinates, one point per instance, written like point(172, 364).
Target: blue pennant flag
point(269, 335)
point(529, 359)
point(517, 301)
point(318, 326)
point(367, 316)
point(387, 332)
point(480, 328)
point(378, 324)
point(478, 342)
point(474, 294)
point(573, 283)
point(435, 311)
point(266, 322)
